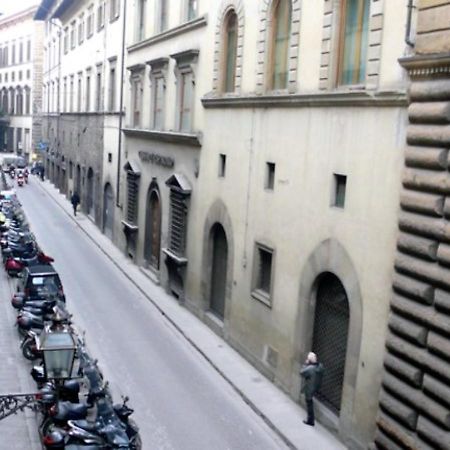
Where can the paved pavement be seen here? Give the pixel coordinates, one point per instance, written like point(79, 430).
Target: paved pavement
point(282, 414)
point(19, 431)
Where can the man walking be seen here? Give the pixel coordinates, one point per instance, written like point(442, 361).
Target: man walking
point(311, 373)
point(75, 200)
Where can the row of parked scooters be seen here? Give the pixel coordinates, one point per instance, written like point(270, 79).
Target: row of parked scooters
point(78, 414)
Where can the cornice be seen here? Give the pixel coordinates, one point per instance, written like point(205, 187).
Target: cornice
point(329, 99)
point(191, 139)
point(169, 34)
point(434, 65)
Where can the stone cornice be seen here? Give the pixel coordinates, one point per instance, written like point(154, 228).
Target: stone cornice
point(338, 99)
point(169, 34)
point(191, 139)
point(427, 66)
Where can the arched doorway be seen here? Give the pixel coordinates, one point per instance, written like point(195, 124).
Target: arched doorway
point(152, 247)
point(218, 270)
point(108, 211)
point(331, 326)
point(90, 192)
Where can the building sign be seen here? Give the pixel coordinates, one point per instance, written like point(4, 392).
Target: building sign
point(154, 158)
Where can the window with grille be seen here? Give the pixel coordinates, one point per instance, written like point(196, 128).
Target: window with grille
point(133, 195)
point(262, 273)
point(178, 222)
point(353, 42)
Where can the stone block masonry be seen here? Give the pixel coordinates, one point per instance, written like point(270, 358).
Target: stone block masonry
point(414, 403)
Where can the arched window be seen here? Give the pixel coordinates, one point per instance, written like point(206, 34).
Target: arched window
point(279, 51)
point(230, 52)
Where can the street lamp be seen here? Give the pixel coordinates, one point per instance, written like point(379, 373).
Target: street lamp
point(58, 348)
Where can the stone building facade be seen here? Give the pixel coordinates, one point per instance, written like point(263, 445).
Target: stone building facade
point(257, 174)
point(20, 83)
point(82, 90)
point(415, 395)
point(167, 59)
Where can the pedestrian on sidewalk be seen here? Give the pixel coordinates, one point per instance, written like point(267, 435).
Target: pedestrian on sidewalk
point(312, 374)
point(42, 172)
point(75, 200)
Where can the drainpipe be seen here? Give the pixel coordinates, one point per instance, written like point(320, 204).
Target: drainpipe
point(122, 72)
point(408, 39)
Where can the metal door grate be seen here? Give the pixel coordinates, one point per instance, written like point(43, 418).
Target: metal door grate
point(330, 338)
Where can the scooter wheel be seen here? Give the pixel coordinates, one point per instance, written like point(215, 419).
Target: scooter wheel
point(28, 353)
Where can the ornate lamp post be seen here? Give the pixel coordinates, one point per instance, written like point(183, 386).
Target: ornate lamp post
point(58, 348)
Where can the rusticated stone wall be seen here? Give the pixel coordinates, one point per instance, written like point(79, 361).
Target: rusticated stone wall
point(414, 399)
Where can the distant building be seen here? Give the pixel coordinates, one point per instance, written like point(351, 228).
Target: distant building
point(82, 91)
point(20, 83)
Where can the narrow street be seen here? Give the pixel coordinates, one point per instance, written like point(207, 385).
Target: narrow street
point(180, 401)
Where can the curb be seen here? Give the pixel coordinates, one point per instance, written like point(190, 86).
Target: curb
point(247, 400)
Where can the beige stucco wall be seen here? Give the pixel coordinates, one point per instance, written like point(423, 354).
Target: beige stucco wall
point(308, 146)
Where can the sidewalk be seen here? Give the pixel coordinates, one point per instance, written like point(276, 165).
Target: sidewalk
point(19, 431)
point(282, 414)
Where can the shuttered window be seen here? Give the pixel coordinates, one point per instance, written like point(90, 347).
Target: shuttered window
point(133, 193)
point(178, 222)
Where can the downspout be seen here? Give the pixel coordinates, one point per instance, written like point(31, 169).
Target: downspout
point(122, 72)
point(408, 23)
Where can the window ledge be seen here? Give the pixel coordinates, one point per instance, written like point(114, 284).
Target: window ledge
point(193, 139)
point(129, 226)
point(262, 297)
point(168, 34)
point(337, 98)
point(180, 260)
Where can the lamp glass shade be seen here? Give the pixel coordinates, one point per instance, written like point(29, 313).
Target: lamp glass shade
point(59, 352)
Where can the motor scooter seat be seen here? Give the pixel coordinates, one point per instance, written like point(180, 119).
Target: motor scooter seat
point(85, 425)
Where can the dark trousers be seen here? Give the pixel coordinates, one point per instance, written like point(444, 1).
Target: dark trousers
point(310, 411)
point(74, 208)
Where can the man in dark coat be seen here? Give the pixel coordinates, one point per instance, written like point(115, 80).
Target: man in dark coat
point(311, 373)
point(75, 200)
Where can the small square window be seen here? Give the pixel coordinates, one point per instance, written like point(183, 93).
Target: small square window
point(262, 274)
point(222, 164)
point(109, 157)
point(340, 184)
point(270, 176)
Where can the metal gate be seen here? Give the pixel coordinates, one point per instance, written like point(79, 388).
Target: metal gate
point(331, 324)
